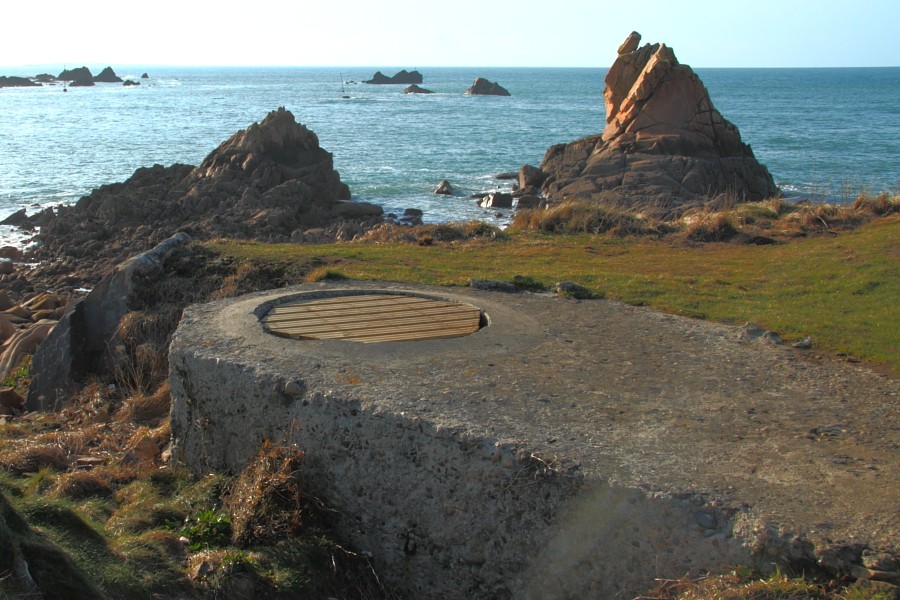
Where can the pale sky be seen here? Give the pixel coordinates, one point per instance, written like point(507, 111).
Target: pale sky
point(419, 33)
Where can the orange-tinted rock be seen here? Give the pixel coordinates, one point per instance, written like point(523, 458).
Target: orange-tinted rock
point(665, 147)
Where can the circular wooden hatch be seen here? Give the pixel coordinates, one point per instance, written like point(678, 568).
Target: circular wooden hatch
point(373, 318)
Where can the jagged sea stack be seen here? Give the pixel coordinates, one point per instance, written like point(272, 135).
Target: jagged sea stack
point(665, 147)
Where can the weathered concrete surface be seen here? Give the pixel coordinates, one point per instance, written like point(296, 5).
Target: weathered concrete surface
point(570, 449)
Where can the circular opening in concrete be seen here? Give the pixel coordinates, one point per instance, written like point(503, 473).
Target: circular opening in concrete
point(371, 317)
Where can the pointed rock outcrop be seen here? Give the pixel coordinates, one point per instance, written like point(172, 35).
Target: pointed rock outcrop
point(264, 182)
point(665, 146)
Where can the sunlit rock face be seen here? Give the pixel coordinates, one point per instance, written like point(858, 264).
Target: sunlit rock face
point(665, 147)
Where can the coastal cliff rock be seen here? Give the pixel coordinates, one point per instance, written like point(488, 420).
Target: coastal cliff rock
point(483, 87)
point(264, 183)
point(107, 75)
point(665, 146)
point(403, 77)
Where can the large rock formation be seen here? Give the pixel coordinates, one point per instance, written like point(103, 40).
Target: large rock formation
point(107, 75)
point(404, 77)
point(265, 182)
point(483, 87)
point(13, 81)
point(665, 146)
point(77, 77)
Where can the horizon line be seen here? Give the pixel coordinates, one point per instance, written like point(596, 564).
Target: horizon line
point(300, 66)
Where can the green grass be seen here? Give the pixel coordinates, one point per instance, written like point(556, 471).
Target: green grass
point(841, 289)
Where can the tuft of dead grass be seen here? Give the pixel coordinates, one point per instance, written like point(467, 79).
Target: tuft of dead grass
point(876, 206)
point(266, 502)
point(142, 408)
point(579, 216)
point(31, 458)
point(427, 235)
point(77, 485)
point(710, 227)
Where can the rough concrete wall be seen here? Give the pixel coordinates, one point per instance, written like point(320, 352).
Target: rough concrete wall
point(447, 513)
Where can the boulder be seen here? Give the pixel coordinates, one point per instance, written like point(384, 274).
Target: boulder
point(483, 87)
point(17, 219)
point(665, 147)
point(129, 83)
point(83, 340)
point(403, 77)
point(497, 200)
point(107, 75)
point(414, 89)
point(145, 76)
point(11, 252)
point(523, 202)
point(529, 175)
point(444, 188)
point(22, 342)
point(10, 398)
point(356, 210)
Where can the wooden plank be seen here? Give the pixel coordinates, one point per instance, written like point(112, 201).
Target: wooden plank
point(373, 318)
point(382, 310)
point(346, 316)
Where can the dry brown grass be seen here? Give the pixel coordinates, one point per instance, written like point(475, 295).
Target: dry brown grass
point(266, 502)
point(427, 235)
point(29, 457)
point(80, 484)
point(579, 216)
point(142, 408)
point(877, 206)
point(710, 227)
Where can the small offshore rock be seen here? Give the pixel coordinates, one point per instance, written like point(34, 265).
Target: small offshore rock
point(804, 344)
point(414, 89)
point(483, 87)
point(444, 188)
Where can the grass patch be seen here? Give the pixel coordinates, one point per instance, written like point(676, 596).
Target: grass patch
point(840, 289)
point(744, 584)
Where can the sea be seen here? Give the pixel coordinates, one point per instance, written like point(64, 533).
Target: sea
point(824, 134)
